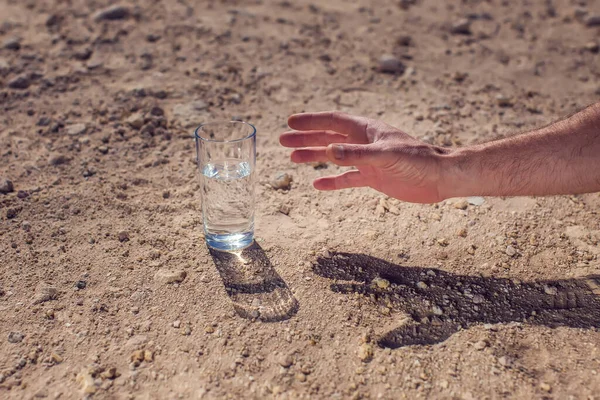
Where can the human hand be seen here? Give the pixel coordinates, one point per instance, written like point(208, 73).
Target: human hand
point(387, 159)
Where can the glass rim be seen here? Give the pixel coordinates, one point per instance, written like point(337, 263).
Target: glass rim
point(199, 129)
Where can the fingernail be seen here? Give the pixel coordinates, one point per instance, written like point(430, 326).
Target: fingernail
point(338, 151)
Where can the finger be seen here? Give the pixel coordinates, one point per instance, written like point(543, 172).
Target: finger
point(311, 138)
point(310, 154)
point(346, 180)
point(333, 121)
point(356, 154)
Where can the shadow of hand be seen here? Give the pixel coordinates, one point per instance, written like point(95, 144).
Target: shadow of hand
point(440, 303)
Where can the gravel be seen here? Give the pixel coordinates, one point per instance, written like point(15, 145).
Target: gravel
point(6, 186)
point(390, 64)
point(112, 13)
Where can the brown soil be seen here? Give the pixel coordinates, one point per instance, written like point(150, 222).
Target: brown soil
point(106, 286)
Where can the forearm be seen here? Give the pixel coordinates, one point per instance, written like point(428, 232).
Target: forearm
point(563, 158)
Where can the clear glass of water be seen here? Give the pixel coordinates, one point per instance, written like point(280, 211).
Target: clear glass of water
point(226, 154)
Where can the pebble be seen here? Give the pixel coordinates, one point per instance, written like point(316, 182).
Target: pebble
point(478, 299)
point(504, 101)
point(81, 285)
point(166, 276)
point(148, 356)
point(76, 129)
point(112, 13)
point(422, 285)
point(551, 290)
point(12, 43)
point(109, 373)
point(44, 294)
point(510, 251)
point(365, 352)
point(19, 82)
point(461, 204)
point(135, 120)
point(480, 345)
point(390, 65)
point(300, 377)
point(86, 381)
point(6, 186)
point(381, 283)
point(56, 358)
point(592, 47)
point(461, 27)
point(286, 361)
point(476, 200)
point(176, 324)
point(15, 337)
point(282, 181)
point(123, 236)
point(592, 20)
point(545, 387)
point(504, 361)
point(462, 232)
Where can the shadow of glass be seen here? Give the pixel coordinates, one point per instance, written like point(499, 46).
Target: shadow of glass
point(440, 303)
point(255, 288)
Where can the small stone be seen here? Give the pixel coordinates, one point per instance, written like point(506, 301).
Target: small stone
point(19, 82)
point(461, 204)
point(167, 276)
point(443, 242)
point(103, 149)
point(504, 361)
point(176, 324)
point(157, 111)
point(478, 299)
point(76, 129)
point(390, 65)
point(44, 294)
point(300, 377)
point(148, 356)
point(462, 232)
point(550, 290)
point(41, 394)
point(135, 120)
point(81, 284)
point(285, 361)
point(422, 285)
point(112, 13)
point(592, 47)
point(56, 358)
point(109, 373)
point(166, 194)
point(436, 217)
point(15, 337)
point(123, 236)
point(282, 181)
point(592, 20)
point(461, 27)
point(12, 43)
point(381, 283)
point(437, 310)
point(6, 186)
point(137, 356)
point(365, 352)
point(510, 251)
point(86, 381)
point(545, 387)
point(209, 329)
point(476, 200)
point(480, 345)
point(504, 101)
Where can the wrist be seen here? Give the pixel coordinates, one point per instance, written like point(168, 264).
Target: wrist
point(460, 175)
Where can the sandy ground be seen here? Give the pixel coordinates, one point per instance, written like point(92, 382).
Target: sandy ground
point(108, 291)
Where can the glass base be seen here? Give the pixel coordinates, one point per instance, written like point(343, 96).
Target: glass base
point(230, 241)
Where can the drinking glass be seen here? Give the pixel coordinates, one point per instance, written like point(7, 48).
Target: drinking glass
point(226, 154)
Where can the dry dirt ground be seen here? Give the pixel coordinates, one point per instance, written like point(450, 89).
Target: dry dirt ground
point(107, 289)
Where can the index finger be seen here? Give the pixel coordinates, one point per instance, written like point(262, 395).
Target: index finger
point(353, 126)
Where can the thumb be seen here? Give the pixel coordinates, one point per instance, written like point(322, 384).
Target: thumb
point(354, 154)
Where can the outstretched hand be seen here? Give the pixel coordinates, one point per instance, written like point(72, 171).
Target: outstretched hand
point(386, 159)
